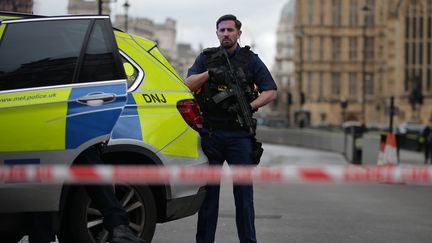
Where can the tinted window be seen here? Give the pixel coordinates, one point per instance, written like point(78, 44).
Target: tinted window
point(41, 53)
point(99, 62)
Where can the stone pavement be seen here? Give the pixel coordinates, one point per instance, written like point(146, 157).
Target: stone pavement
point(407, 157)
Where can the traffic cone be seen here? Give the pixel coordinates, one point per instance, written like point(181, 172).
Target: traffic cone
point(381, 157)
point(390, 150)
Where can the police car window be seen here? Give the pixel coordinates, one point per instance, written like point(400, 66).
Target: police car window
point(99, 62)
point(42, 53)
point(131, 71)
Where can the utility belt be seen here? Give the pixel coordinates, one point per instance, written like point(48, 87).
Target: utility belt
point(230, 125)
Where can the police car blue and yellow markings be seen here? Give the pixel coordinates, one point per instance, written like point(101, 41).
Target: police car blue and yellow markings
point(179, 139)
point(122, 36)
point(2, 29)
point(154, 98)
point(33, 97)
point(85, 122)
point(116, 90)
point(148, 127)
point(162, 78)
point(137, 52)
point(25, 120)
point(185, 145)
point(156, 54)
point(155, 121)
point(6, 17)
point(44, 119)
point(128, 125)
point(155, 102)
point(153, 126)
point(165, 97)
point(130, 108)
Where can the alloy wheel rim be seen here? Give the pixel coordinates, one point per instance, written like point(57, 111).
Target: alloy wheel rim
point(130, 199)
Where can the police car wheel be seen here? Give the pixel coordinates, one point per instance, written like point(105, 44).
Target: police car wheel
point(83, 223)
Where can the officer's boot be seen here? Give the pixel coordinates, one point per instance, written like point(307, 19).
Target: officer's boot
point(122, 234)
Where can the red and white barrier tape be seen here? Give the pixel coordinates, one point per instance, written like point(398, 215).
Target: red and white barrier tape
point(241, 174)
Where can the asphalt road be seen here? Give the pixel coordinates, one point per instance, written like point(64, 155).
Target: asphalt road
point(314, 212)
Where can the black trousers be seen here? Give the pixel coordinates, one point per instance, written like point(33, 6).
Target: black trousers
point(428, 153)
point(102, 195)
point(42, 228)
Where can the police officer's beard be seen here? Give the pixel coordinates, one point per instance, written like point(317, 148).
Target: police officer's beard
point(227, 45)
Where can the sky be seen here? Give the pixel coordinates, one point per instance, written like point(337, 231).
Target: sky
point(196, 19)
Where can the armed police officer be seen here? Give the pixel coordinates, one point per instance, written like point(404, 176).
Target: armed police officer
point(226, 81)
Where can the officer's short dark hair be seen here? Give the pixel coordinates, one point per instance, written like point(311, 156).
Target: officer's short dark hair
point(237, 22)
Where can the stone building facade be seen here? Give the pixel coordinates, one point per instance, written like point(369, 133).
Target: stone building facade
point(283, 67)
point(164, 34)
point(410, 49)
point(22, 6)
point(87, 7)
point(180, 55)
point(353, 55)
point(186, 57)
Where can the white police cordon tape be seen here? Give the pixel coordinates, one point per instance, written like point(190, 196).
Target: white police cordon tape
point(57, 174)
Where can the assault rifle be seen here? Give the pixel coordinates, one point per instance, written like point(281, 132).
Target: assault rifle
point(243, 108)
point(234, 88)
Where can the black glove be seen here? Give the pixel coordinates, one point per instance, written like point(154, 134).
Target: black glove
point(234, 108)
point(216, 73)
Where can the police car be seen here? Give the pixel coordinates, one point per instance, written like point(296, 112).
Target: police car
point(68, 83)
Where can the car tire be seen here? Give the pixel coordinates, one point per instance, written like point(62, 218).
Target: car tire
point(82, 222)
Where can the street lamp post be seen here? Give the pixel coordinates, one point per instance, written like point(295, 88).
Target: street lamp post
point(126, 5)
point(366, 10)
point(344, 105)
point(289, 103)
point(100, 7)
point(300, 36)
point(300, 121)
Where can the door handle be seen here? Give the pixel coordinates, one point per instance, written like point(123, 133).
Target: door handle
point(96, 99)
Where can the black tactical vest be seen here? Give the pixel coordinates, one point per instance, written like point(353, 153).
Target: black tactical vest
point(218, 115)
